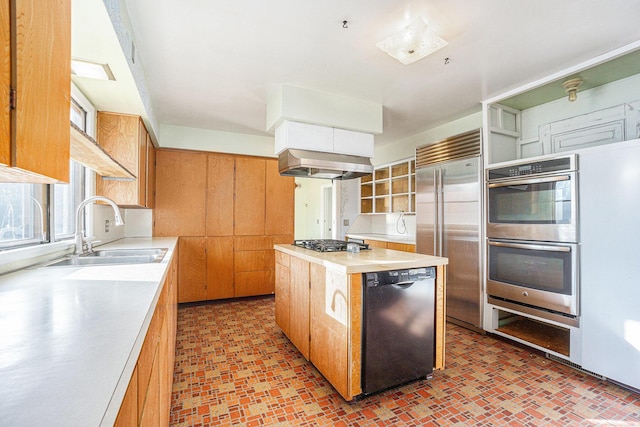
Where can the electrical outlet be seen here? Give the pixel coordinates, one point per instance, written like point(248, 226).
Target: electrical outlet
point(106, 225)
point(345, 222)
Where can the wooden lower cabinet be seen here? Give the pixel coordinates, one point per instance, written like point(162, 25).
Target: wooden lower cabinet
point(299, 305)
point(376, 244)
point(253, 261)
point(328, 320)
point(312, 310)
point(128, 414)
point(404, 247)
point(150, 410)
point(227, 266)
point(147, 400)
point(220, 272)
point(282, 291)
point(192, 282)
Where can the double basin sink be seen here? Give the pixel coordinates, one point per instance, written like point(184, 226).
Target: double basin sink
point(112, 256)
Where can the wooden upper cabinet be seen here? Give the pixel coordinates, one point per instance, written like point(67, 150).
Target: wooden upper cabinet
point(126, 139)
point(249, 206)
point(5, 82)
point(151, 174)
point(220, 189)
point(35, 40)
point(181, 180)
point(279, 215)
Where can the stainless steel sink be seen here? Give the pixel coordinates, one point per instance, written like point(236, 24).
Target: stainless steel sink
point(113, 256)
point(156, 252)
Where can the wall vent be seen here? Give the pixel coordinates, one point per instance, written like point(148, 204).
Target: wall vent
point(456, 147)
point(574, 366)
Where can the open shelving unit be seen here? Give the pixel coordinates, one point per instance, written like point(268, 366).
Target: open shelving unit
point(390, 188)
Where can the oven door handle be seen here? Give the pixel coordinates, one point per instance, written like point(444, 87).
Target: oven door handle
point(531, 247)
point(530, 181)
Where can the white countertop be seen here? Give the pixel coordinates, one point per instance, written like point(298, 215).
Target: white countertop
point(70, 337)
point(365, 261)
point(394, 238)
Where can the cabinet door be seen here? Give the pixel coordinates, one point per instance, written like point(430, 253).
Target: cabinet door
point(165, 371)
point(282, 291)
point(220, 274)
point(146, 360)
point(220, 189)
point(151, 174)
point(151, 407)
point(377, 244)
point(249, 209)
point(180, 194)
point(142, 164)
point(41, 46)
point(404, 247)
point(5, 82)
point(192, 274)
point(299, 309)
point(328, 326)
point(128, 413)
point(254, 264)
point(279, 215)
point(120, 136)
point(250, 283)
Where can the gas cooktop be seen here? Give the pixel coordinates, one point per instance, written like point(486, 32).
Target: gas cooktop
point(327, 245)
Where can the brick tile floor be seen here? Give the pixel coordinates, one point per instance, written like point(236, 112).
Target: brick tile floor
point(234, 366)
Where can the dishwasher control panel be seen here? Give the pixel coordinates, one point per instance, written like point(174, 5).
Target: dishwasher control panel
point(394, 277)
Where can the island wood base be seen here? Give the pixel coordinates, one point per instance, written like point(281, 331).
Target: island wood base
point(320, 311)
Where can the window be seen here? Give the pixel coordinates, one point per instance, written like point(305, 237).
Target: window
point(78, 115)
point(23, 209)
point(66, 198)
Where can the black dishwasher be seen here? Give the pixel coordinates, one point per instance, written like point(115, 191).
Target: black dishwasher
point(398, 327)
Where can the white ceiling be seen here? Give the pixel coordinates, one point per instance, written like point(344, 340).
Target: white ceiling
point(211, 64)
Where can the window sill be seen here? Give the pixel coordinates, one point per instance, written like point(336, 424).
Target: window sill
point(16, 259)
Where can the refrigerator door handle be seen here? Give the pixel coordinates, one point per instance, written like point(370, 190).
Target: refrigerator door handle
point(436, 198)
point(440, 214)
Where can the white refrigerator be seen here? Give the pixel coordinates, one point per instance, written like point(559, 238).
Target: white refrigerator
point(610, 261)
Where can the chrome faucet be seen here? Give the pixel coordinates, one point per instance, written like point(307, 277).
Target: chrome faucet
point(79, 233)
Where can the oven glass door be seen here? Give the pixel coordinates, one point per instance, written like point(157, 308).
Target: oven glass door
point(541, 275)
point(533, 209)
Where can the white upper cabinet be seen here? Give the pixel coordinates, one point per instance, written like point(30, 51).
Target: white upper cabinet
point(539, 119)
point(303, 136)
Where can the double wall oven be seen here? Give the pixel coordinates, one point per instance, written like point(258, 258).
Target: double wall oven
point(532, 231)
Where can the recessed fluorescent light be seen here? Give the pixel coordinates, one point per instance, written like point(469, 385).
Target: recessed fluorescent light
point(91, 69)
point(412, 43)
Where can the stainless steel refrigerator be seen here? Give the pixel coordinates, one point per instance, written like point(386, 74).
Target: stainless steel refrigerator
point(448, 219)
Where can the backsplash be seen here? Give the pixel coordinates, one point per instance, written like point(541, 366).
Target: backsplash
point(391, 224)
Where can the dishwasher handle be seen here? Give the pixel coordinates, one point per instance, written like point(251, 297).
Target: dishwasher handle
point(405, 284)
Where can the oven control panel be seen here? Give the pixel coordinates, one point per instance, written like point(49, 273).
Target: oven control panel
point(560, 164)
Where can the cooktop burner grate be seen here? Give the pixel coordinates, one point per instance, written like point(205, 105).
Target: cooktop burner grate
point(327, 245)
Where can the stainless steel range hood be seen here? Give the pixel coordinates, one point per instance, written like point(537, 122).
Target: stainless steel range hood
point(316, 164)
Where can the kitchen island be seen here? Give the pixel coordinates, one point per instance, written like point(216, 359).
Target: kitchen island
point(319, 306)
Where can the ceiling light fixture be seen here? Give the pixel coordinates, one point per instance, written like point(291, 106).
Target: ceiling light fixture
point(91, 69)
point(412, 43)
point(571, 87)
